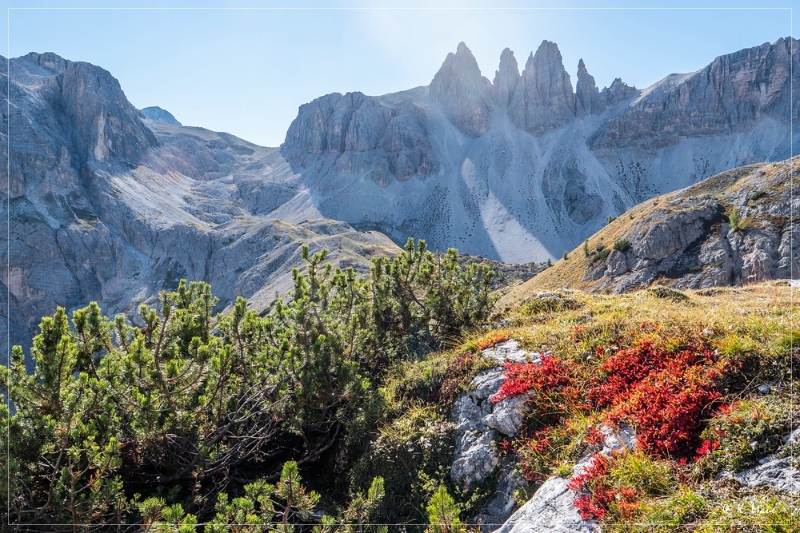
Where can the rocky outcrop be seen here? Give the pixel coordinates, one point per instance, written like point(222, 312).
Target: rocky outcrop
point(361, 135)
point(462, 92)
point(617, 92)
point(479, 422)
point(733, 228)
point(698, 238)
point(777, 471)
point(103, 125)
point(544, 100)
point(550, 509)
point(552, 506)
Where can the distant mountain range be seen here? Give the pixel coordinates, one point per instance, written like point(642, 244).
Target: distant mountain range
point(524, 168)
point(113, 204)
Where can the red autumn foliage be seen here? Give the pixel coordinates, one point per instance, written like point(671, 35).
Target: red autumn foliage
point(666, 405)
point(596, 494)
point(551, 375)
point(594, 437)
point(662, 394)
point(707, 447)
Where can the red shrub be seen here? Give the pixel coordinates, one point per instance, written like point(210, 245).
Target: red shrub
point(551, 375)
point(596, 494)
point(666, 406)
point(594, 437)
point(622, 369)
point(707, 447)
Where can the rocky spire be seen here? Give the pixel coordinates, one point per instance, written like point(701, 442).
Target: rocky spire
point(462, 92)
point(587, 96)
point(543, 100)
point(505, 78)
point(617, 92)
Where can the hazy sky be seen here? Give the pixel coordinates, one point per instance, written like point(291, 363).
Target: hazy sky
point(246, 71)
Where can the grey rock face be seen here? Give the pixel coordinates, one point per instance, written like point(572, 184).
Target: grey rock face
point(550, 509)
point(103, 124)
point(506, 79)
point(462, 92)
point(544, 100)
point(617, 92)
point(478, 423)
point(160, 115)
point(729, 95)
point(687, 240)
point(552, 506)
point(361, 135)
point(587, 95)
point(776, 473)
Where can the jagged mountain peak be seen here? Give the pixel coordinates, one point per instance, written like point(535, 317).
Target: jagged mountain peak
point(506, 78)
point(461, 63)
point(544, 100)
point(587, 96)
point(462, 92)
point(548, 49)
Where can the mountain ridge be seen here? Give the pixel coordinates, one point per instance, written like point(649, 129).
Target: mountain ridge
point(108, 205)
point(542, 166)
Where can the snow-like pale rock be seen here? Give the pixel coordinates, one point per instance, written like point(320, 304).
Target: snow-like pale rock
point(479, 422)
point(550, 510)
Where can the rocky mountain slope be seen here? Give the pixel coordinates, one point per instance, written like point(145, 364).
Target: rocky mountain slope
point(733, 228)
point(108, 205)
point(524, 167)
point(112, 204)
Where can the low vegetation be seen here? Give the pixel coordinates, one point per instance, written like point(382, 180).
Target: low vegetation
point(194, 417)
point(704, 381)
point(333, 409)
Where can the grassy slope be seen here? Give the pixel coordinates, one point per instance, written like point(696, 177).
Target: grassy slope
point(724, 187)
point(751, 328)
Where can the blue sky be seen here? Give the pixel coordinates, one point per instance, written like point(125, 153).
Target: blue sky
point(246, 71)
